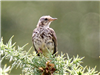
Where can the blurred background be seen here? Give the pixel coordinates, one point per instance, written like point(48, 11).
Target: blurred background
point(77, 27)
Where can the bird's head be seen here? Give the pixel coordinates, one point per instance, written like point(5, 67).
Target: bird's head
point(45, 21)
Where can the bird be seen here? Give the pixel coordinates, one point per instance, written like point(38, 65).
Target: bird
point(43, 37)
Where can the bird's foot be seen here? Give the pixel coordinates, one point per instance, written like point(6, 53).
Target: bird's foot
point(39, 51)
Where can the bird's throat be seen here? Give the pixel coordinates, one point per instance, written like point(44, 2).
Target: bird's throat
point(41, 24)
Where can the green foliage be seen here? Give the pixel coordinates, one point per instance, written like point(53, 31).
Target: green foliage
point(4, 70)
point(31, 64)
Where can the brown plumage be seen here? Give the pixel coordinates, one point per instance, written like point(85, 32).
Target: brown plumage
point(44, 37)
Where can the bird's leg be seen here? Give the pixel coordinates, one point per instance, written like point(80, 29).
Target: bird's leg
point(40, 51)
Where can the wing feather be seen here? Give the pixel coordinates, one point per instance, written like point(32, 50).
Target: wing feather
point(54, 38)
point(33, 35)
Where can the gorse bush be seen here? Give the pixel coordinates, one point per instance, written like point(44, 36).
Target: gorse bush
point(31, 64)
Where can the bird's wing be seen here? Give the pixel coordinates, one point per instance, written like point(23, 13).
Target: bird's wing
point(33, 35)
point(54, 38)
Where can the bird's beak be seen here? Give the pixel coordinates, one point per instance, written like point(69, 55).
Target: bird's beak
point(52, 19)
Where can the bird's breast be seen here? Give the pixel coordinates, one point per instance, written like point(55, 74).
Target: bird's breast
point(43, 40)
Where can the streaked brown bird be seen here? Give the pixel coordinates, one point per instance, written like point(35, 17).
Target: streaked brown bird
point(44, 37)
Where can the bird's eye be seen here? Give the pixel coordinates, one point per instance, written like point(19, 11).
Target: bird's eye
point(46, 19)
